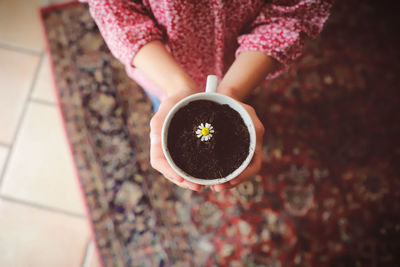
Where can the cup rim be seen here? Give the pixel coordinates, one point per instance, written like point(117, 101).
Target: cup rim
point(235, 105)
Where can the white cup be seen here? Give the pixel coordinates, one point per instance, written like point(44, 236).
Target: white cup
point(210, 95)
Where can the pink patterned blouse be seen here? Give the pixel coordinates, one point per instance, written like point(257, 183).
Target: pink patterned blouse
point(204, 36)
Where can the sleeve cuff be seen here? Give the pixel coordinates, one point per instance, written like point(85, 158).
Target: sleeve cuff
point(283, 51)
point(136, 42)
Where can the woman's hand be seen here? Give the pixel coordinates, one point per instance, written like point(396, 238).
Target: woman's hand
point(254, 167)
point(154, 60)
point(247, 71)
point(157, 158)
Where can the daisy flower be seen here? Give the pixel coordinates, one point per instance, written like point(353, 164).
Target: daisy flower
point(204, 131)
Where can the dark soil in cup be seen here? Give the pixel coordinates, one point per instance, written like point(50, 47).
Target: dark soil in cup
point(218, 157)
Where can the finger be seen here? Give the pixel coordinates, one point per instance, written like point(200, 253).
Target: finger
point(221, 187)
point(192, 186)
point(185, 184)
point(155, 139)
point(179, 181)
point(163, 166)
point(157, 120)
point(160, 163)
point(158, 160)
point(251, 170)
point(255, 164)
point(259, 127)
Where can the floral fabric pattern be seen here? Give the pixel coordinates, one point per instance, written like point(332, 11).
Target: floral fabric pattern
point(205, 35)
point(328, 190)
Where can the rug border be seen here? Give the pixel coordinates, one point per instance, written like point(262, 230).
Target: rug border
point(42, 11)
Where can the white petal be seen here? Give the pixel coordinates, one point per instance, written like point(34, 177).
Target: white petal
point(209, 136)
point(203, 138)
point(208, 125)
point(198, 131)
point(211, 131)
point(199, 135)
point(202, 125)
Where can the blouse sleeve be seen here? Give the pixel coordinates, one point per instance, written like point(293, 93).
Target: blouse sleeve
point(125, 26)
point(281, 27)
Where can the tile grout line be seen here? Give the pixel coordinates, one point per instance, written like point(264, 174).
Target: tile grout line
point(4, 145)
point(43, 102)
point(42, 207)
point(86, 253)
point(11, 148)
point(19, 49)
point(31, 98)
point(20, 119)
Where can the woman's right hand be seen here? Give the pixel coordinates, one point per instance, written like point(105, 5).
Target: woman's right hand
point(157, 157)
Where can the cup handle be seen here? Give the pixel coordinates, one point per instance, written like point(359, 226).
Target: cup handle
point(212, 82)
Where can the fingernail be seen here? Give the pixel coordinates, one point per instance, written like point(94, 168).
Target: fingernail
point(219, 189)
point(236, 181)
point(189, 185)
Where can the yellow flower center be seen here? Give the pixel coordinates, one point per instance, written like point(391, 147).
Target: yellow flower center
point(205, 131)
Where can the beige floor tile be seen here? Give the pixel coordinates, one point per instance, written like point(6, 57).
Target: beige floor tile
point(3, 156)
point(34, 237)
point(92, 260)
point(16, 75)
point(20, 24)
point(40, 169)
point(44, 86)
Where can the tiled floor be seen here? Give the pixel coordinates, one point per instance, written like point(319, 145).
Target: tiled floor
point(42, 218)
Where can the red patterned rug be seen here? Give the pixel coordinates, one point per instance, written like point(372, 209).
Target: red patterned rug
point(329, 190)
